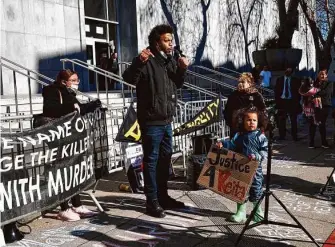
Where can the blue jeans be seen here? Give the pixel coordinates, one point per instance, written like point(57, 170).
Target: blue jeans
point(157, 152)
point(256, 191)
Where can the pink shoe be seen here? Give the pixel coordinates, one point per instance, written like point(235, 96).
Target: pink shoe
point(84, 212)
point(68, 215)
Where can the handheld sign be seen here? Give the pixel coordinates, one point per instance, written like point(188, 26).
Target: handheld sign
point(228, 173)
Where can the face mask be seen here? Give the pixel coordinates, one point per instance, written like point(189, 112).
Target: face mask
point(74, 86)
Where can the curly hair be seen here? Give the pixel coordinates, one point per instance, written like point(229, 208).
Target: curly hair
point(157, 31)
point(239, 115)
point(245, 77)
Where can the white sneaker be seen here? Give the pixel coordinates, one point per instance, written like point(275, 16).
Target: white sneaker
point(84, 212)
point(68, 215)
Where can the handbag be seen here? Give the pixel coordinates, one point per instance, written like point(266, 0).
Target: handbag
point(40, 120)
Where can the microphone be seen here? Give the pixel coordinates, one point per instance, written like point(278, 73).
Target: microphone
point(177, 52)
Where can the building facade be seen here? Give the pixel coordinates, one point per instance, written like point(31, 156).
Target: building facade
point(38, 33)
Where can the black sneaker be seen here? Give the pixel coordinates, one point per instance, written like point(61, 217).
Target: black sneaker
point(154, 209)
point(170, 203)
point(311, 145)
point(325, 145)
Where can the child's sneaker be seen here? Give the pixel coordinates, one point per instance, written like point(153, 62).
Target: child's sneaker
point(84, 212)
point(68, 215)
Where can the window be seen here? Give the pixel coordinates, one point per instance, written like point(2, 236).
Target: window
point(101, 9)
point(96, 29)
point(96, 9)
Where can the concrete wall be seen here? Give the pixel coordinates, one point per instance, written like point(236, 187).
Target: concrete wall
point(36, 33)
point(210, 33)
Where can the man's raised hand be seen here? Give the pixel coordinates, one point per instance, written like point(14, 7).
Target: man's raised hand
point(145, 54)
point(183, 62)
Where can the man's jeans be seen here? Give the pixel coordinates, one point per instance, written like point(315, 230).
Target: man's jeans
point(157, 151)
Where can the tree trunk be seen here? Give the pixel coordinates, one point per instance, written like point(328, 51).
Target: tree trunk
point(324, 58)
point(287, 22)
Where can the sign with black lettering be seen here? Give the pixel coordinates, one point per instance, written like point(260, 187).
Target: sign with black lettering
point(228, 173)
point(208, 115)
point(43, 167)
point(130, 129)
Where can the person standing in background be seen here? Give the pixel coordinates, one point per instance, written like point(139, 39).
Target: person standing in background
point(265, 77)
point(287, 98)
point(109, 64)
point(325, 93)
point(256, 74)
point(245, 95)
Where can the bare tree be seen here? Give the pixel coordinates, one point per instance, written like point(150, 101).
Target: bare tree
point(245, 19)
point(320, 15)
point(201, 46)
point(170, 7)
point(288, 21)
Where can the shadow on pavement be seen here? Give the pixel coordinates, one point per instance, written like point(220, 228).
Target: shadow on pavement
point(138, 232)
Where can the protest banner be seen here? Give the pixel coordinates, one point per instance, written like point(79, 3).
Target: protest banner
point(130, 129)
point(43, 167)
point(207, 116)
point(228, 173)
point(134, 167)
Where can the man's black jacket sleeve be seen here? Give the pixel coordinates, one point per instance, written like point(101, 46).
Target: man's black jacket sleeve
point(133, 73)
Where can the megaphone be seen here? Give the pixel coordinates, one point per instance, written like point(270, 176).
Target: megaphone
point(11, 233)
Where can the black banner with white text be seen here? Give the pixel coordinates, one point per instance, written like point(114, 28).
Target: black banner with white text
point(43, 167)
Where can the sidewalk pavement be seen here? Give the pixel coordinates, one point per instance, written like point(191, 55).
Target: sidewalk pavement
point(298, 173)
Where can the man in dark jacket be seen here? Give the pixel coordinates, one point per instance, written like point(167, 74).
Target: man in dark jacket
point(157, 76)
point(287, 100)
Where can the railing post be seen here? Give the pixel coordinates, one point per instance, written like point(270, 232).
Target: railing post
point(15, 94)
point(106, 88)
point(30, 99)
point(1, 86)
point(122, 85)
point(97, 84)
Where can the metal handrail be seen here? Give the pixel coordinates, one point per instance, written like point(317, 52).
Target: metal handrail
point(211, 79)
point(234, 71)
point(126, 63)
point(188, 85)
point(44, 83)
point(199, 89)
point(31, 71)
point(106, 74)
point(30, 77)
point(22, 117)
point(215, 72)
point(96, 68)
point(225, 75)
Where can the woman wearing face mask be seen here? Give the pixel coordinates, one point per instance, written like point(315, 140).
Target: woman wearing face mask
point(245, 95)
point(59, 99)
